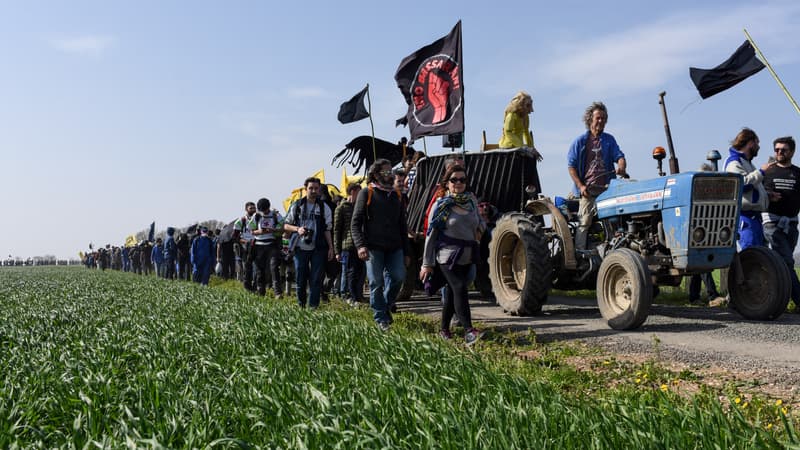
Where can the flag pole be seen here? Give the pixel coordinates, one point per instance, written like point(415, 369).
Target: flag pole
point(774, 75)
point(371, 125)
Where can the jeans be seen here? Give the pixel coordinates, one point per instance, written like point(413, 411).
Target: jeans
point(784, 244)
point(309, 266)
point(382, 296)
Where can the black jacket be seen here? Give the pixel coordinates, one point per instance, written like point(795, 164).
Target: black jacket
point(381, 225)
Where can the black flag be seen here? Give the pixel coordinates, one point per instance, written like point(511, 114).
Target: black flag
point(354, 109)
point(734, 70)
point(431, 82)
point(152, 234)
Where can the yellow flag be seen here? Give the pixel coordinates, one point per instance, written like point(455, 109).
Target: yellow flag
point(321, 175)
point(347, 179)
point(297, 194)
point(130, 241)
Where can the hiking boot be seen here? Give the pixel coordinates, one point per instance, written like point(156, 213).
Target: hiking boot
point(384, 326)
point(446, 335)
point(473, 335)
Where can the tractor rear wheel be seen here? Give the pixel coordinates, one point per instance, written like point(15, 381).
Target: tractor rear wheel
point(624, 289)
point(519, 265)
point(762, 289)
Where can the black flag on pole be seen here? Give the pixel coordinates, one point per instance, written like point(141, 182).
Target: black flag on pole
point(152, 234)
point(431, 82)
point(734, 70)
point(354, 109)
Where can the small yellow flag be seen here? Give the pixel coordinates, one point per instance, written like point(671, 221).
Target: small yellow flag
point(130, 241)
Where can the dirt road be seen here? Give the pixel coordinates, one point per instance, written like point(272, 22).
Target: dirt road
point(699, 338)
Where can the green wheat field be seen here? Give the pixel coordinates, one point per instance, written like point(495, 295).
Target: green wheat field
point(92, 359)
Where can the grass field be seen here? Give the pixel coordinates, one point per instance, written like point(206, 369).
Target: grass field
point(110, 359)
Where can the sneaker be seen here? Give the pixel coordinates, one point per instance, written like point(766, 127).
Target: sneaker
point(446, 335)
point(473, 335)
point(718, 302)
point(384, 326)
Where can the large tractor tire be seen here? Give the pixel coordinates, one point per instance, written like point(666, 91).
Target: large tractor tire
point(624, 289)
point(759, 284)
point(519, 265)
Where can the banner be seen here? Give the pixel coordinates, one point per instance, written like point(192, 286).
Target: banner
point(354, 110)
point(431, 82)
point(742, 64)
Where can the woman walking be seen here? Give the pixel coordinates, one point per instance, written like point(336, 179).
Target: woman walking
point(451, 246)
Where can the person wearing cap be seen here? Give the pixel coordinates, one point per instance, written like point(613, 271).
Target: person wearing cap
point(202, 255)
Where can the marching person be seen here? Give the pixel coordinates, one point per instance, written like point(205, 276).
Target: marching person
point(202, 255)
point(452, 245)
point(312, 220)
point(380, 236)
point(244, 235)
point(170, 254)
point(267, 252)
point(345, 251)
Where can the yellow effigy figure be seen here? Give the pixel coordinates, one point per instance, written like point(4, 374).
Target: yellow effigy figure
point(516, 124)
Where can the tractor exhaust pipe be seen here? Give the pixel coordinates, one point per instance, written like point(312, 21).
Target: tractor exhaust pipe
point(673, 161)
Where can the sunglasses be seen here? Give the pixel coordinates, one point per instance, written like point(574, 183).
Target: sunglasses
point(782, 150)
point(386, 172)
point(455, 180)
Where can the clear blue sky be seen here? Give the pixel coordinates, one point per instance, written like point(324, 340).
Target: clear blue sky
point(117, 114)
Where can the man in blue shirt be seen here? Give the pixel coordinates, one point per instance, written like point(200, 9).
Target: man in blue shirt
point(590, 163)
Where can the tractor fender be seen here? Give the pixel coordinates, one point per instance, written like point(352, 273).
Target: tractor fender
point(545, 206)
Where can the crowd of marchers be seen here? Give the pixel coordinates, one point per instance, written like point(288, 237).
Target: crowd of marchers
point(332, 244)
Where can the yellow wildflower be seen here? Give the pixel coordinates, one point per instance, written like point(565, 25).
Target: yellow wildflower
point(769, 426)
point(737, 400)
point(784, 411)
point(778, 402)
point(744, 405)
point(664, 388)
point(638, 380)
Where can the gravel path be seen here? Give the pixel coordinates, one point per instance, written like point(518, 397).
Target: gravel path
point(711, 339)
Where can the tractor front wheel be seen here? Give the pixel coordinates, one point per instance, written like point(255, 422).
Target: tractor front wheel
point(624, 289)
point(759, 284)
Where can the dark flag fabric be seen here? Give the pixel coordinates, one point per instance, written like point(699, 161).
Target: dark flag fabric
point(431, 82)
point(734, 70)
point(152, 234)
point(354, 109)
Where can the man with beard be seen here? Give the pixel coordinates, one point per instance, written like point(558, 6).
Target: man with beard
point(744, 149)
point(380, 236)
point(312, 220)
point(782, 182)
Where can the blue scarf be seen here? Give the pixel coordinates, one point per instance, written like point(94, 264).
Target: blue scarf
point(443, 207)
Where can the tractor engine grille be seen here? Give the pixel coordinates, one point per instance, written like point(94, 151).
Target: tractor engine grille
point(714, 211)
point(713, 225)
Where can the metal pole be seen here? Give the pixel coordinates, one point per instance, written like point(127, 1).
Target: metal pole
point(673, 161)
point(774, 75)
point(371, 125)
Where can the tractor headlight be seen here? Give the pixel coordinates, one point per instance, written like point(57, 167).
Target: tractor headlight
point(725, 234)
point(698, 234)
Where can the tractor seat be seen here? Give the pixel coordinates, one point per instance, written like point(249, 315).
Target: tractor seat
point(567, 206)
